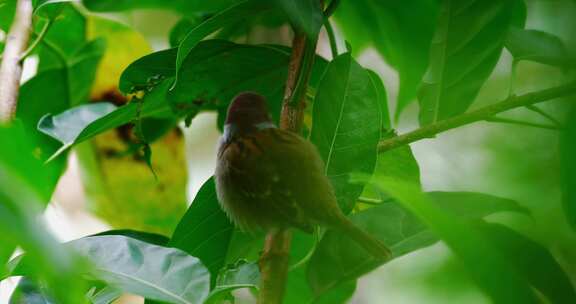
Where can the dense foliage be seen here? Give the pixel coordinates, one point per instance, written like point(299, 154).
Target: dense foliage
point(102, 92)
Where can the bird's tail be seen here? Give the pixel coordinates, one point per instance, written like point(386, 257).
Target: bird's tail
point(371, 244)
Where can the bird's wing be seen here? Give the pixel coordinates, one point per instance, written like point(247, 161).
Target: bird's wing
point(262, 166)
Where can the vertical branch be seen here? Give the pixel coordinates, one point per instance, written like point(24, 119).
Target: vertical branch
point(11, 66)
point(276, 254)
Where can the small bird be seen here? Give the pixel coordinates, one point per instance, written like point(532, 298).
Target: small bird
point(269, 178)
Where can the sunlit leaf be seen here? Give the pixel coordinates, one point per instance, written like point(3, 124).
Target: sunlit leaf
point(124, 45)
point(538, 46)
point(400, 31)
point(346, 128)
point(467, 44)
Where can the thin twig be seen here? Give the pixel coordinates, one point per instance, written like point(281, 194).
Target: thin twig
point(39, 38)
point(484, 113)
point(331, 38)
point(545, 115)
point(11, 66)
point(521, 123)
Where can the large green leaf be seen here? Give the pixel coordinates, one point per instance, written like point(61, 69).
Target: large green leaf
point(346, 128)
point(24, 183)
point(467, 44)
point(474, 205)
point(155, 272)
point(568, 168)
point(489, 268)
point(62, 87)
point(538, 46)
point(179, 6)
point(305, 15)
point(29, 292)
point(400, 31)
point(382, 99)
point(7, 10)
point(533, 262)
point(241, 10)
point(217, 70)
point(205, 231)
point(65, 37)
point(339, 260)
point(142, 73)
point(98, 118)
point(67, 125)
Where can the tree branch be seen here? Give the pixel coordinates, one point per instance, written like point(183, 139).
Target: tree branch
point(477, 115)
point(275, 257)
point(11, 66)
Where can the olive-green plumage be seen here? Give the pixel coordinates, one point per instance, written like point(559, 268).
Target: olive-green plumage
point(270, 178)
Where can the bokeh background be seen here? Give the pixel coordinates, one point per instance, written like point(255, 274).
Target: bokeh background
point(511, 161)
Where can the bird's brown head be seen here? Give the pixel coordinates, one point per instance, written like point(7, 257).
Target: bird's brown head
point(247, 112)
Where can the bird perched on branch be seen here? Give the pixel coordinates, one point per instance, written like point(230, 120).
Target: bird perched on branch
point(270, 178)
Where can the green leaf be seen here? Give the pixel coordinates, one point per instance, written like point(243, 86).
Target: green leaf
point(242, 274)
point(568, 168)
point(346, 128)
point(179, 6)
point(339, 260)
point(7, 10)
point(151, 271)
point(401, 32)
point(538, 46)
point(64, 39)
point(467, 44)
point(180, 29)
point(474, 205)
point(399, 164)
point(105, 295)
point(245, 9)
point(151, 238)
point(533, 262)
point(382, 99)
point(67, 125)
point(478, 256)
point(205, 231)
point(29, 292)
point(24, 183)
point(154, 106)
point(217, 70)
point(148, 71)
point(305, 15)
